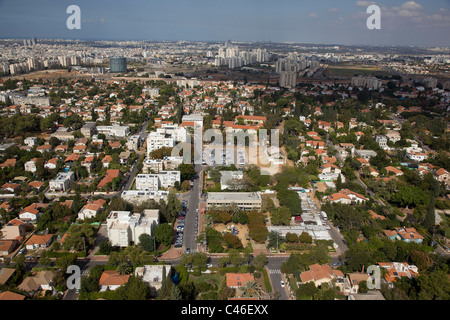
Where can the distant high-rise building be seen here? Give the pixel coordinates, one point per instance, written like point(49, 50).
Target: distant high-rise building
point(369, 82)
point(430, 83)
point(288, 79)
point(117, 64)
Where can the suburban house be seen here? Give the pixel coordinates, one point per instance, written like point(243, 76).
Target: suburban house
point(319, 274)
point(330, 172)
point(30, 213)
point(394, 170)
point(346, 196)
point(8, 163)
point(91, 209)
point(5, 274)
point(355, 279)
point(109, 176)
point(152, 274)
point(443, 175)
point(376, 216)
point(31, 165)
point(39, 241)
point(44, 148)
point(236, 280)
point(62, 181)
point(8, 296)
point(396, 270)
point(13, 230)
point(6, 206)
point(7, 246)
point(51, 164)
point(10, 187)
point(42, 280)
point(404, 234)
point(111, 280)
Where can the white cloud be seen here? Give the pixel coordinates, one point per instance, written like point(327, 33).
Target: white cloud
point(364, 3)
point(313, 15)
point(411, 5)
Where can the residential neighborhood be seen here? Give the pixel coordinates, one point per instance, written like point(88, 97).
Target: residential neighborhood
point(185, 170)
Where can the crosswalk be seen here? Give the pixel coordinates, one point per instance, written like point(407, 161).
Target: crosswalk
point(274, 271)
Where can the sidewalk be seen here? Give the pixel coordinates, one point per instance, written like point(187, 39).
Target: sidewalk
point(171, 254)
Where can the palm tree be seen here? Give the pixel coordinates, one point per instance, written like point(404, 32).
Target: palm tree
point(251, 289)
point(124, 268)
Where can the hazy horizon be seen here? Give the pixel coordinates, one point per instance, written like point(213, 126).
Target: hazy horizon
point(327, 22)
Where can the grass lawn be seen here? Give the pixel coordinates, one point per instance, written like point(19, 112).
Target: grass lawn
point(352, 70)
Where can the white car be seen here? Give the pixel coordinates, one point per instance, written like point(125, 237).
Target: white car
point(282, 283)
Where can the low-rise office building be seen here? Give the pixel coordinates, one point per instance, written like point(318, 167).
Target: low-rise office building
point(243, 200)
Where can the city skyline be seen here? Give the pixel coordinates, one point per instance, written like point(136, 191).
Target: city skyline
point(403, 23)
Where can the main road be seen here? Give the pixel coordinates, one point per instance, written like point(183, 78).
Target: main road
point(191, 224)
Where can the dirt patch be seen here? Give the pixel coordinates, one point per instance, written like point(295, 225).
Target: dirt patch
point(242, 230)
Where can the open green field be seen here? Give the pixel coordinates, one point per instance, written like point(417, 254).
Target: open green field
point(350, 70)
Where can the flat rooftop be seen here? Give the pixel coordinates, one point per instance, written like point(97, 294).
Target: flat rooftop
point(233, 196)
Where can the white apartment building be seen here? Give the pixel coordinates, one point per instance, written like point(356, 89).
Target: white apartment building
point(114, 131)
point(151, 182)
point(157, 140)
point(369, 82)
point(152, 165)
point(178, 133)
point(172, 163)
point(167, 179)
point(134, 142)
point(147, 182)
point(62, 181)
point(124, 228)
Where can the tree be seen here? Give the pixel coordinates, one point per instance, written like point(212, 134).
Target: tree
point(410, 195)
point(166, 286)
point(257, 228)
point(45, 261)
point(187, 171)
point(185, 185)
point(105, 248)
point(306, 291)
point(173, 206)
point(251, 289)
point(134, 289)
point(291, 237)
point(199, 260)
point(280, 216)
point(80, 237)
point(164, 234)
point(305, 237)
point(232, 241)
point(235, 257)
point(260, 261)
point(175, 293)
point(146, 242)
point(124, 268)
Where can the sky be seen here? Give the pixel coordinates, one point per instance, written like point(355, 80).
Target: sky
point(339, 22)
